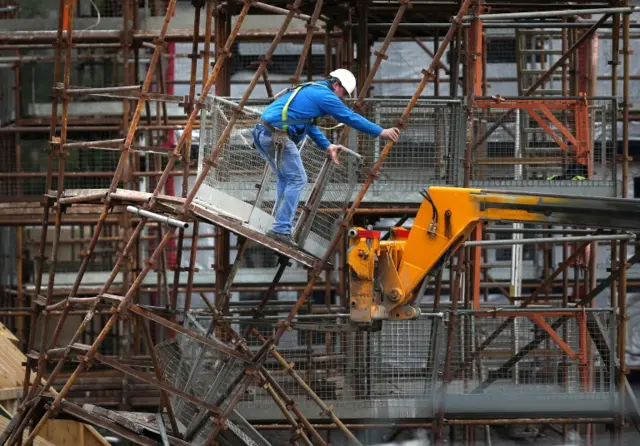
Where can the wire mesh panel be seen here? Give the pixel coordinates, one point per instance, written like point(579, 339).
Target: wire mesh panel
point(565, 356)
point(545, 144)
point(242, 186)
point(397, 371)
point(427, 153)
point(389, 373)
point(201, 371)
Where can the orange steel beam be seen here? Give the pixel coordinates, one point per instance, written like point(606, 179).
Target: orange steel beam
point(476, 54)
point(536, 318)
point(582, 132)
point(582, 328)
point(581, 141)
point(549, 130)
point(567, 134)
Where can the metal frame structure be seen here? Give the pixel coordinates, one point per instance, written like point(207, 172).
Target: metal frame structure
point(134, 211)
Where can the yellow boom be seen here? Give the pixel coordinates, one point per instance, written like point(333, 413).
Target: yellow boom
point(385, 274)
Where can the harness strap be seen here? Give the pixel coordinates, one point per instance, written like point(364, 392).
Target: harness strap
point(285, 109)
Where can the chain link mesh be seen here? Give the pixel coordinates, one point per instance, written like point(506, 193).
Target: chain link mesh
point(198, 370)
point(523, 149)
point(427, 151)
point(547, 368)
point(403, 364)
point(389, 368)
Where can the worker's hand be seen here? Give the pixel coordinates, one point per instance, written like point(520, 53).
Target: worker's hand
point(393, 134)
point(333, 153)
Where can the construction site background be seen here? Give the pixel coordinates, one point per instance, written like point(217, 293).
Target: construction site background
point(114, 47)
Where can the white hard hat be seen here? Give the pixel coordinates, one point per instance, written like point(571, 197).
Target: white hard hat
point(346, 78)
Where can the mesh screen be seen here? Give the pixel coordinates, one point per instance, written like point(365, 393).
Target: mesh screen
point(426, 153)
point(392, 367)
point(240, 168)
point(402, 365)
point(546, 369)
point(201, 371)
point(524, 149)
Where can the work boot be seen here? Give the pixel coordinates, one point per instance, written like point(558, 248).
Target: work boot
point(282, 238)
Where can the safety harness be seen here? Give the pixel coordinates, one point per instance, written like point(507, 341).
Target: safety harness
point(279, 135)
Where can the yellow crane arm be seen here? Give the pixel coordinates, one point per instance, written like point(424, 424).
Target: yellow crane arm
point(385, 274)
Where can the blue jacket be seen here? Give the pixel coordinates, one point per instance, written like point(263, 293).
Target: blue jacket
point(315, 101)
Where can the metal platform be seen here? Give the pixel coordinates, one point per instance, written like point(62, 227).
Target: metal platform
point(171, 205)
point(242, 186)
point(251, 233)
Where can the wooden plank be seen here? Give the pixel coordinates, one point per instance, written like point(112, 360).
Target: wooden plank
point(57, 432)
point(4, 331)
point(238, 228)
point(72, 433)
point(62, 432)
point(39, 441)
point(10, 393)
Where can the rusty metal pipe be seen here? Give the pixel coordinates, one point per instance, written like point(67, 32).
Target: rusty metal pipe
point(276, 389)
point(118, 173)
point(92, 350)
point(325, 409)
point(511, 421)
point(550, 240)
point(85, 144)
point(156, 367)
point(287, 414)
point(158, 217)
point(33, 433)
point(67, 10)
point(398, 425)
point(374, 69)
point(281, 11)
point(553, 14)
point(72, 91)
point(311, 27)
point(203, 95)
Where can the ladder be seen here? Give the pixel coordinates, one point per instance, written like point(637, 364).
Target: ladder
point(536, 51)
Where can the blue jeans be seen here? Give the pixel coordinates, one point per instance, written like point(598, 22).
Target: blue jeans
point(291, 177)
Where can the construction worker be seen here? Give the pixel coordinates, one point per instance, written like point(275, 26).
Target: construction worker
point(283, 125)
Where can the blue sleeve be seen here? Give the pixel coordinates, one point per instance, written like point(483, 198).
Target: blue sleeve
point(334, 107)
point(318, 137)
